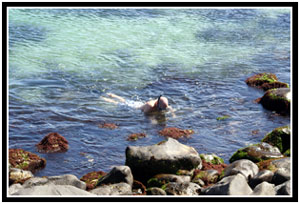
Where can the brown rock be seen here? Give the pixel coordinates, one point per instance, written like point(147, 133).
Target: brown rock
point(175, 133)
point(111, 126)
point(53, 142)
point(136, 136)
point(91, 179)
point(21, 159)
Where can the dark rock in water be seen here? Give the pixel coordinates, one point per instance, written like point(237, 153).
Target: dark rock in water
point(136, 136)
point(265, 81)
point(264, 175)
point(281, 175)
point(280, 138)
point(256, 153)
point(156, 191)
point(51, 189)
point(21, 159)
point(91, 179)
point(52, 143)
point(113, 189)
point(18, 176)
point(111, 126)
point(230, 185)
point(283, 189)
point(117, 175)
point(211, 158)
point(138, 188)
point(185, 188)
point(277, 100)
point(175, 133)
point(161, 179)
point(264, 188)
point(165, 157)
point(243, 167)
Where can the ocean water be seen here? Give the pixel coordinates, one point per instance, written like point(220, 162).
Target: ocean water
point(62, 61)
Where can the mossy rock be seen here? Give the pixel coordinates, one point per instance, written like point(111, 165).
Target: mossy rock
point(280, 137)
point(21, 159)
point(212, 158)
point(92, 178)
point(256, 153)
point(277, 100)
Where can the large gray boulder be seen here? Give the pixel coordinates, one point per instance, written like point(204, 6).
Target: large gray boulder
point(51, 189)
point(113, 189)
point(244, 167)
point(67, 179)
point(14, 188)
point(117, 175)
point(264, 188)
point(230, 185)
point(264, 175)
point(165, 157)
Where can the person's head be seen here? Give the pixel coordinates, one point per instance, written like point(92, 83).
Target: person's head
point(162, 103)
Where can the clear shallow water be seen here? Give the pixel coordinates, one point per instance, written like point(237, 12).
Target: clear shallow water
point(62, 61)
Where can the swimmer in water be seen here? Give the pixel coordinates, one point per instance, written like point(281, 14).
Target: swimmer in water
point(156, 105)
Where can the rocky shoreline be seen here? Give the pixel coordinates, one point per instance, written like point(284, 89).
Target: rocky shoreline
point(170, 168)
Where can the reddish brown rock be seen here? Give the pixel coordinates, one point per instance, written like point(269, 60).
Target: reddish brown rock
point(175, 133)
point(111, 126)
point(136, 136)
point(208, 166)
point(53, 142)
point(91, 179)
point(273, 85)
point(21, 159)
point(265, 81)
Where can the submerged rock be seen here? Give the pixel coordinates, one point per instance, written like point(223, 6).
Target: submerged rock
point(21, 159)
point(277, 100)
point(111, 126)
point(136, 136)
point(280, 138)
point(53, 142)
point(265, 81)
point(165, 157)
point(256, 153)
point(175, 133)
point(91, 179)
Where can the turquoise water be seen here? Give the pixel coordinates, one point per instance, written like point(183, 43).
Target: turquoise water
point(61, 61)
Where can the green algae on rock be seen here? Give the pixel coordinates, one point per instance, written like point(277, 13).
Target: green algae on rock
point(256, 153)
point(280, 137)
point(265, 81)
point(212, 158)
point(21, 159)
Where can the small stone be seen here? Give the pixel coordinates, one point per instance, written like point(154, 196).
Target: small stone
point(185, 188)
point(156, 191)
point(212, 158)
point(19, 176)
point(113, 189)
point(53, 143)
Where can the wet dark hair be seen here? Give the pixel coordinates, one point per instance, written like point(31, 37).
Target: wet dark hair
point(158, 106)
